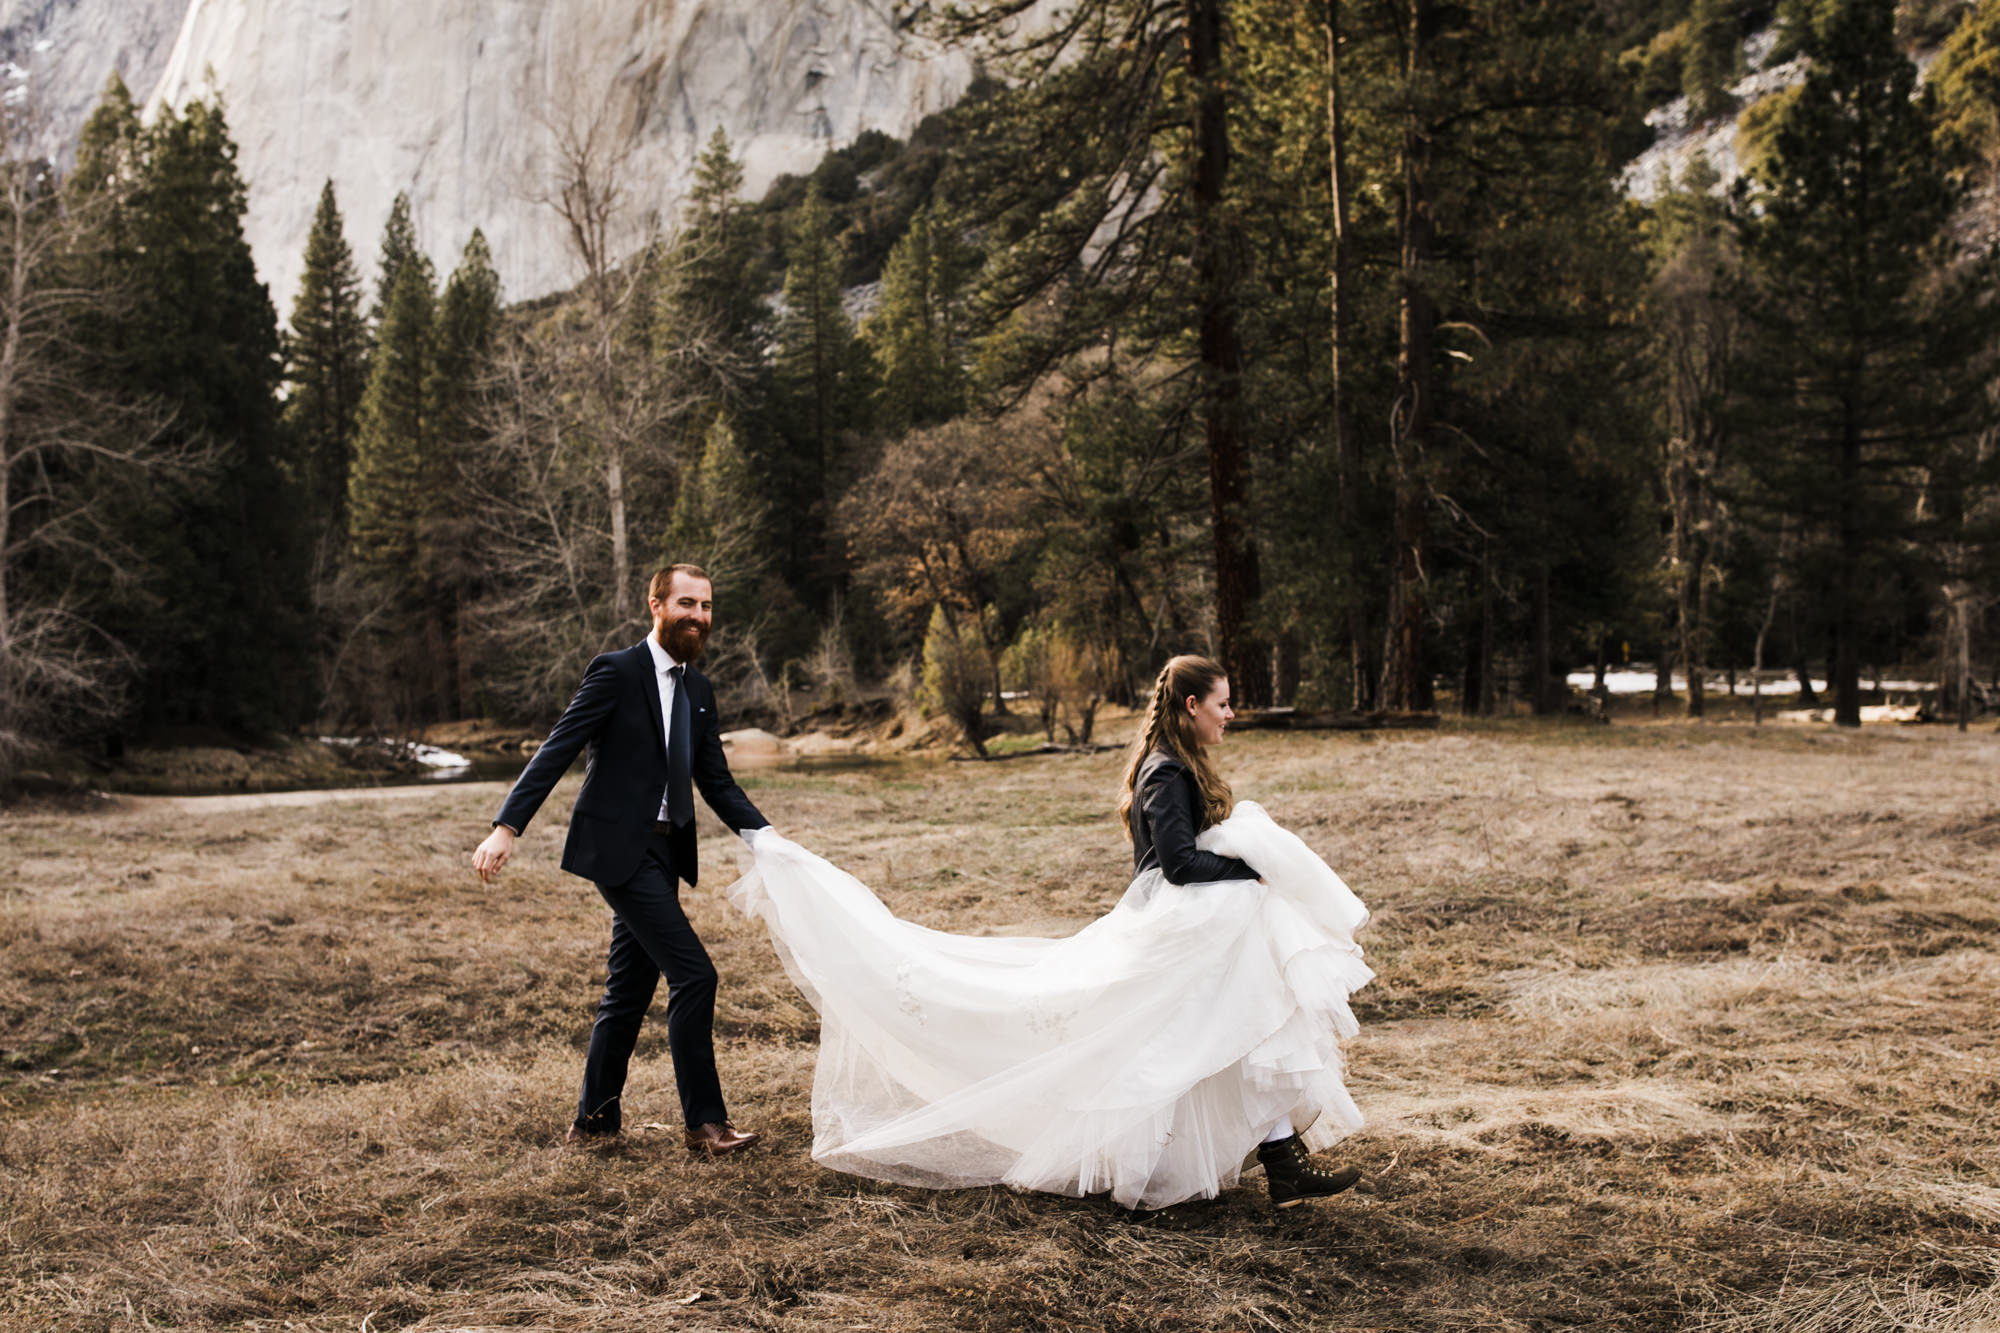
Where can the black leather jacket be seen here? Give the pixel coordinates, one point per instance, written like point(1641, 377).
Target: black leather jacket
point(1164, 822)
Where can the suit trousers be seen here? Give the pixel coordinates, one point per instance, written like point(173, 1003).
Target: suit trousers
point(651, 936)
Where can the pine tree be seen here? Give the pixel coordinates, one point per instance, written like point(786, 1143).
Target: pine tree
point(232, 645)
point(813, 335)
point(1871, 351)
point(327, 356)
point(720, 520)
point(812, 370)
point(915, 330)
point(714, 288)
point(390, 487)
point(468, 317)
point(1709, 65)
point(399, 247)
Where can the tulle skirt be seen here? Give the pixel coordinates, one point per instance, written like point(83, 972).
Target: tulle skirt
point(1145, 1056)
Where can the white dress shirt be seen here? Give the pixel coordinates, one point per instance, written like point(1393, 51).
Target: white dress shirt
point(663, 665)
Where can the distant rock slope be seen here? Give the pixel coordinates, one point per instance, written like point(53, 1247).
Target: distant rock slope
point(457, 101)
point(65, 50)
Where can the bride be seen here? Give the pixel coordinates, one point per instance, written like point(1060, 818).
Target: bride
point(1147, 1055)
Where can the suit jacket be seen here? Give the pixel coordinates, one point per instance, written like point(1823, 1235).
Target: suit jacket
point(616, 717)
point(1165, 819)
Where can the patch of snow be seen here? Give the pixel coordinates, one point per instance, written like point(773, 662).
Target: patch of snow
point(430, 756)
point(1869, 713)
point(1638, 680)
point(434, 757)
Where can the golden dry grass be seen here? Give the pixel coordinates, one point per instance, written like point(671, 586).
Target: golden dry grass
point(1675, 1027)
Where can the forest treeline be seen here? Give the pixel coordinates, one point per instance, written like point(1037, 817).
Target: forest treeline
point(1320, 336)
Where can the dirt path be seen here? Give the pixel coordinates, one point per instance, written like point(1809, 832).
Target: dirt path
point(264, 800)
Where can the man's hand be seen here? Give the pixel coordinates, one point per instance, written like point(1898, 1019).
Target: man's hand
point(493, 853)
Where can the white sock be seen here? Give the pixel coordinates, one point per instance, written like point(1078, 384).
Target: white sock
point(1280, 1131)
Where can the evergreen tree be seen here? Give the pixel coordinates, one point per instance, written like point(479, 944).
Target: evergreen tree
point(110, 158)
point(327, 357)
point(399, 247)
point(813, 376)
point(1134, 235)
point(713, 293)
point(915, 330)
point(1967, 79)
point(391, 487)
point(1871, 352)
point(231, 645)
point(468, 316)
point(1709, 64)
point(720, 520)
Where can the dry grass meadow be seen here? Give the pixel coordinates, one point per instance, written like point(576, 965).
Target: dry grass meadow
point(1676, 1027)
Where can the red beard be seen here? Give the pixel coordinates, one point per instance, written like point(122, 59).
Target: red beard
point(683, 639)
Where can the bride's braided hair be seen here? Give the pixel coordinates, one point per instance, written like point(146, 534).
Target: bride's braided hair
point(1168, 727)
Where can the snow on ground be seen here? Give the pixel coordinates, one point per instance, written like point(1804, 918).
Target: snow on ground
point(1639, 680)
point(430, 756)
point(1869, 713)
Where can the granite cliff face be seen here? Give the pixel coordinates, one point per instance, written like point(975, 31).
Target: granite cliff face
point(65, 50)
point(461, 102)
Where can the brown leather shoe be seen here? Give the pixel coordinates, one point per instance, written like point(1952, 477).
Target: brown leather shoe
point(593, 1140)
point(716, 1140)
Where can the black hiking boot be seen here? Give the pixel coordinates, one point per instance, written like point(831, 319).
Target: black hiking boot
point(1292, 1176)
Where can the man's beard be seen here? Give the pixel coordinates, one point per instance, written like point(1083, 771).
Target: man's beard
point(684, 638)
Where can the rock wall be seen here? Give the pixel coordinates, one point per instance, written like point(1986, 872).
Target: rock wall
point(462, 104)
point(61, 52)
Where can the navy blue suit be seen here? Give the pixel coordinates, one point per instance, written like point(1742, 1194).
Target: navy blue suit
point(617, 842)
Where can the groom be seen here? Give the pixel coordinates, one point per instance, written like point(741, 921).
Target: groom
point(649, 721)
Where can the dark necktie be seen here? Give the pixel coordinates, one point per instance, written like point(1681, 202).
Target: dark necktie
point(680, 752)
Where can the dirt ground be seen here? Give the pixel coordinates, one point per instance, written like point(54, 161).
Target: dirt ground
point(1676, 1027)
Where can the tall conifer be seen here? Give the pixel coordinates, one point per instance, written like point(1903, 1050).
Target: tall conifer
point(399, 247)
point(387, 490)
point(915, 330)
point(468, 314)
point(1871, 350)
point(326, 359)
point(232, 645)
point(813, 366)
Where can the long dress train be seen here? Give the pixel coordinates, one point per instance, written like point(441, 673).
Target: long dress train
point(1146, 1055)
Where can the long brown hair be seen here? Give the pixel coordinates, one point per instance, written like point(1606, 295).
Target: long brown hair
point(1168, 727)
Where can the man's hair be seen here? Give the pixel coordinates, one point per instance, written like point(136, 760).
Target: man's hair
point(664, 580)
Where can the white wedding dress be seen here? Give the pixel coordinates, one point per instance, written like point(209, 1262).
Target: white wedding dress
point(1146, 1055)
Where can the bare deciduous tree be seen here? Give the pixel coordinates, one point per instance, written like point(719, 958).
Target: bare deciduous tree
point(932, 526)
point(581, 415)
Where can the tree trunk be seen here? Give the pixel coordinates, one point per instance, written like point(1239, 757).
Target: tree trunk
point(462, 687)
point(1346, 444)
point(1217, 249)
point(1405, 684)
point(1663, 677)
point(1481, 697)
point(1846, 664)
point(1757, 657)
point(1544, 695)
point(621, 555)
point(1691, 597)
point(10, 369)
